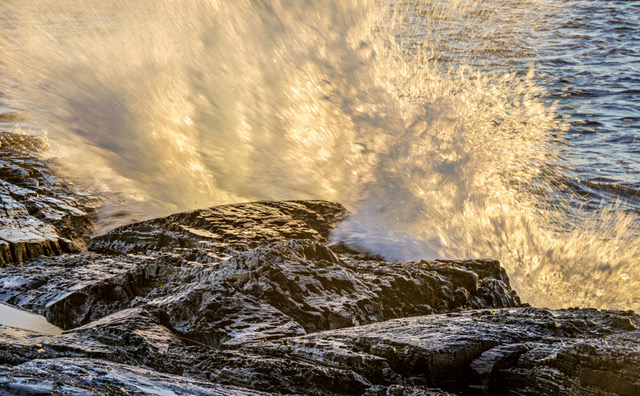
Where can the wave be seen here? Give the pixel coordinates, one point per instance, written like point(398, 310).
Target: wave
point(399, 110)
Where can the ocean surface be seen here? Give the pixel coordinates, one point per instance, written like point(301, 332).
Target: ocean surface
point(450, 129)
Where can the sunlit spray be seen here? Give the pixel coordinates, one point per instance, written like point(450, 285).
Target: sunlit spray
point(404, 113)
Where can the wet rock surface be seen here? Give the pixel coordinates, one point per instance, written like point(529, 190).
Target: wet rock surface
point(506, 351)
point(249, 298)
point(261, 285)
point(77, 376)
point(509, 351)
point(223, 231)
point(40, 213)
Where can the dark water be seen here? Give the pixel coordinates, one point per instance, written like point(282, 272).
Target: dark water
point(586, 55)
point(592, 58)
point(503, 129)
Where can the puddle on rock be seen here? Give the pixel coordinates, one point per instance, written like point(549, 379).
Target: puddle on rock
point(20, 318)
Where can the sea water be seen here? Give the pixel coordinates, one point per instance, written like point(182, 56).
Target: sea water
point(449, 128)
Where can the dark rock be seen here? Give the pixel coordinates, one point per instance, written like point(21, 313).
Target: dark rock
point(497, 358)
point(209, 234)
point(73, 290)
point(256, 283)
point(134, 338)
point(80, 376)
point(40, 214)
point(250, 297)
point(18, 346)
point(498, 351)
point(266, 292)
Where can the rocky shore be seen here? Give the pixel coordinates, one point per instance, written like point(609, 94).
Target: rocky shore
point(252, 298)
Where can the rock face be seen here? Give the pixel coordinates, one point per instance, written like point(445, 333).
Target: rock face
point(249, 298)
point(40, 214)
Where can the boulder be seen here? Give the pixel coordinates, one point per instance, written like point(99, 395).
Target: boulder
point(222, 231)
point(81, 376)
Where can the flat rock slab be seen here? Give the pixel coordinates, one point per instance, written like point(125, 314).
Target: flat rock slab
point(520, 351)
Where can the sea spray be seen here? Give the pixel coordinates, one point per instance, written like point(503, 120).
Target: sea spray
point(417, 117)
